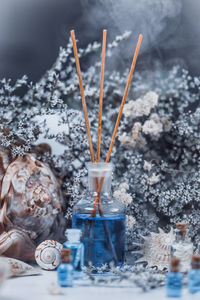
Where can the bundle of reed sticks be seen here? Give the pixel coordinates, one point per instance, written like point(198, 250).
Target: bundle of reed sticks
point(98, 185)
point(97, 199)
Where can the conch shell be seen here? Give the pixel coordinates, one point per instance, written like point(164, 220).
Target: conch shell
point(31, 204)
point(156, 249)
point(47, 254)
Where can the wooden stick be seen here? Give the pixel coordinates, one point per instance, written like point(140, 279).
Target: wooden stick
point(101, 95)
point(122, 106)
point(82, 95)
point(124, 96)
point(97, 200)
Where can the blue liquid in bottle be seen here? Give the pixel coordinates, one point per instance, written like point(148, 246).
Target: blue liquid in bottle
point(174, 284)
point(102, 221)
point(65, 275)
point(65, 269)
point(103, 239)
point(194, 281)
point(174, 279)
point(194, 275)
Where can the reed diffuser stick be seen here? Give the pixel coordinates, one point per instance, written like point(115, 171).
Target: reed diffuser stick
point(124, 96)
point(122, 105)
point(101, 95)
point(97, 199)
point(82, 95)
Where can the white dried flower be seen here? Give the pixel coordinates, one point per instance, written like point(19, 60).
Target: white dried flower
point(153, 179)
point(151, 98)
point(125, 139)
point(136, 130)
point(121, 194)
point(124, 186)
point(147, 166)
point(153, 128)
point(141, 107)
point(155, 117)
point(166, 124)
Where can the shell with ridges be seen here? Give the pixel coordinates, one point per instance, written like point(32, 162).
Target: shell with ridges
point(17, 267)
point(31, 205)
point(17, 244)
point(156, 249)
point(47, 254)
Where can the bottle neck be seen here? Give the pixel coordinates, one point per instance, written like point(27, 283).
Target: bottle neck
point(195, 266)
point(99, 177)
point(66, 260)
point(73, 241)
point(181, 236)
point(73, 235)
point(102, 193)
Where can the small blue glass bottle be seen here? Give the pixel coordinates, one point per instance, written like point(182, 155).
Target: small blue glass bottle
point(65, 269)
point(182, 247)
point(101, 219)
point(194, 275)
point(174, 279)
point(77, 250)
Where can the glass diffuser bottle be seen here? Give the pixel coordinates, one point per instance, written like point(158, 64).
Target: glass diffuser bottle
point(101, 219)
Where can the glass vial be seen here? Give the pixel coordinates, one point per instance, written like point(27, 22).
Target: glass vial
point(182, 247)
point(77, 250)
point(65, 269)
point(194, 275)
point(174, 279)
point(101, 219)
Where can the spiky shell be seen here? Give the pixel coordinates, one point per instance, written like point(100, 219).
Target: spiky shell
point(47, 254)
point(16, 267)
point(156, 249)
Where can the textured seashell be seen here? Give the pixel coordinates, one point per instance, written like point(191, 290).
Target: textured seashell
point(17, 244)
point(47, 254)
point(17, 267)
point(156, 249)
point(30, 200)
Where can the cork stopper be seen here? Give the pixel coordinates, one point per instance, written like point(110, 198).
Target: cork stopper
point(181, 228)
point(65, 255)
point(174, 264)
point(195, 261)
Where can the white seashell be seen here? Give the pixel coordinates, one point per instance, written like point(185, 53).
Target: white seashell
point(156, 249)
point(17, 267)
point(47, 254)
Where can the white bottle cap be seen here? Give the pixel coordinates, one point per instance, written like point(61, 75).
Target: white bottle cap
point(73, 235)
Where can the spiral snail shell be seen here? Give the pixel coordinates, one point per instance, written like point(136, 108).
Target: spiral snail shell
point(47, 254)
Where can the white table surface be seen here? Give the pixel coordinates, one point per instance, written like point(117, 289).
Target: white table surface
point(36, 287)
